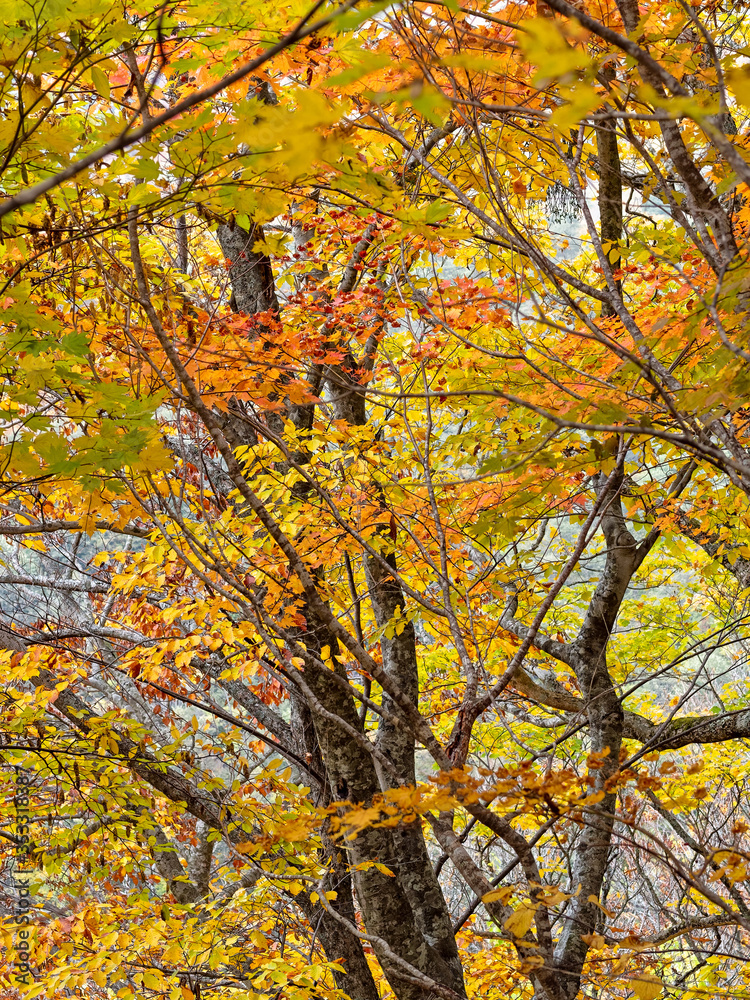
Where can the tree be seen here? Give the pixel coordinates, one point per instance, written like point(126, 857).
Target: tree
point(375, 474)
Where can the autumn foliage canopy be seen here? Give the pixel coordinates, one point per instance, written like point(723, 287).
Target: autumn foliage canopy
point(374, 500)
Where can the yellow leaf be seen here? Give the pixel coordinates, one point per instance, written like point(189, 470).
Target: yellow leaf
point(595, 941)
point(646, 986)
point(552, 895)
point(595, 901)
point(100, 81)
point(152, 937)
point(503, 894)
point(594, 798)
point(172, 955)
point(519, 922)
